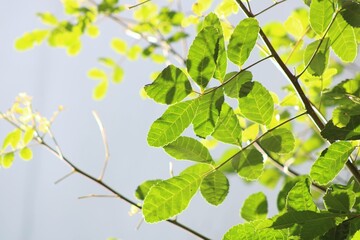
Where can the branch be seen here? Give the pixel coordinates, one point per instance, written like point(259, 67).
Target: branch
point(294, 81)
point(276, 3)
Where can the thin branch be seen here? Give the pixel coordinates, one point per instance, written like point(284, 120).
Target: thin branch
point(294, 81)
point(248, 4)
point(264, 10)
point(106, 145)
point(136, 5)
point(297, 44)
point(66, 176)
point(319, 45)
point(98, 196)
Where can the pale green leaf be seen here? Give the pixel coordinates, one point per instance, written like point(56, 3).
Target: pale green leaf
point(243, 40)
point(198, 169)
point(330, 162)
point(214, 188)
point(320, 60)
point(97, 74)
point(280, 140)
point(228, 128)
point(26, 154)
point(270, 177)
point(234, 80)
point(208, 112)
point(343, 40)
point(133, 52)
point(221, 61)
point(282, 196)
point(7, 160)
point(171, 86)
point(248, 164)
point(172, 123)
point(256, 103)
point(201, 61)
point(340, 118)
point(92, 30)
point(255, 207)
point(321, 12)
point(299, 197)
point(119, 45)
point(189, 149)
point(100, 90)
point(28, 135)
point(143, 189)
point(170, 197)
point(13, 139)
point(250, 133)
point(255, 230)
point(349, 132)
point(48, 18)
point(339, 199)
point(118, 74)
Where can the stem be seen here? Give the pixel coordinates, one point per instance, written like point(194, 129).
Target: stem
point(136, 5)
point(110, 189)
point(269, 7)
point(294, 80)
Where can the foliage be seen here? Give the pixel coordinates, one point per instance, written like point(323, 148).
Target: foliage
point(317, 40)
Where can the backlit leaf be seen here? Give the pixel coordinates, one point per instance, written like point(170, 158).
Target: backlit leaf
point(227, 128)
point(243, 40)
point(255, 102)
point(299, 197)
point(350, 10)
point(28, 135)
point(100, 90)
point(321, 58)
point(13, 138)
point(189, 149)
point(255, 207)
point(26, 153)
point(233, 85)
point(321, 12)
point(171, 86)
point(118, 74)
point(96, 73)
point(343, 40)
point(7, 160)
point(249, 164)
point(201, 62)
point(215, 187)
point(208, 112)
point(172, 123)
point(339, 199)
point(282, 196)
point(119, 45)
point(280, 140)
point(48, 18)
point(330, 162)
point(170, 197)
point(350, 132)
point(143, 189)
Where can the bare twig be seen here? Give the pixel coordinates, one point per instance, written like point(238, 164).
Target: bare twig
point(141, 3)
point(66, 176)
point(98, 196)
point(264, 10)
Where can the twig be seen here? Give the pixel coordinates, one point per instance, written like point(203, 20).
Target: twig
point(264, 10)
point(104, 139)
point(136, 5)
point(98, 196)
point(66, 176)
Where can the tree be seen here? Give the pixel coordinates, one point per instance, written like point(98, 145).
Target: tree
point(213, 91)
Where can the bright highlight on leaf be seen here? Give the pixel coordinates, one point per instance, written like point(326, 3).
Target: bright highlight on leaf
point(214, 188)
point(243, 40)
point(330, 162)
point(170, 197)
point(299, 197)
point(171, 86)
point(321, 12)
point(320, 60)
point(234, 82)
point(172, 123)
point(188, 149)
point(255, 207)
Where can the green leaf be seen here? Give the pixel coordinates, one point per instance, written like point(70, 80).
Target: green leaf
point(280, 140)
point(321, 12)
point(100, 90)
point(189, 149)
point(228, 128)
point(258, 229)
point(299, 197)
point(321, 58)
point(282, 196)
point(221, 60)
point(92, 30)
point(118, 74)
point(97, 74)
point(208, 112)
point(215, 187)
point(248, 164)
point(28, 136)
point(340, 118)
point(350, 132)
point(339, 199)
point(356, 236)
point(343, 40)
point(172, 123)
point(201, 62)
point(256, 103)
point(350, 11)
point(170, 197)
point(243, 40)
point(143, 189)
point(29, 40)
point(119, 45)
point(330, 162)
point(255, 207)
point(233, 86)
point(133, 52)
point(312, 224)
point(48, 18)
point(13, 138)
point(198, 169)
point(7, 160)
point(26, 154)
point(171, 86)
point(270, 177)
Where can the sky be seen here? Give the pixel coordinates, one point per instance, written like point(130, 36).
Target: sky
point(32, 206)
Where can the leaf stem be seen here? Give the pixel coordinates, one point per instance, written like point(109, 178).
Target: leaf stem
point(264, 10)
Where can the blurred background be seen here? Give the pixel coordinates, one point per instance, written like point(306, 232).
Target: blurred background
point(32, 207)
